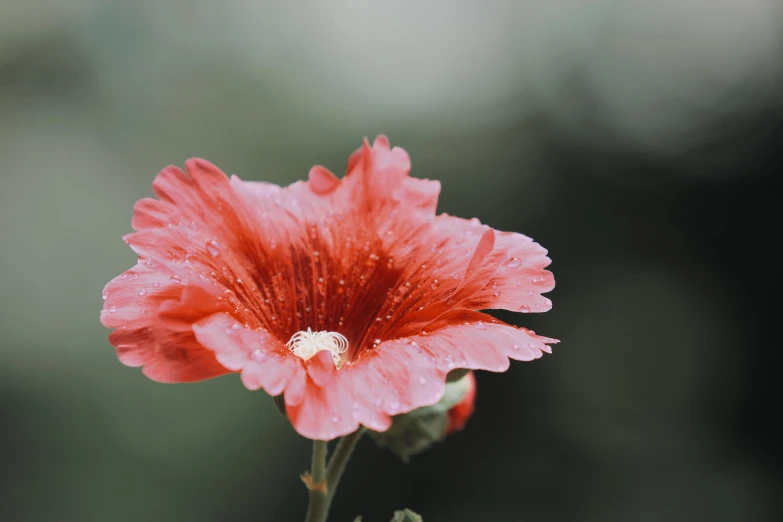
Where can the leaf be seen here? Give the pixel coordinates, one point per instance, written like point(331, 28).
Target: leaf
point(406, 516)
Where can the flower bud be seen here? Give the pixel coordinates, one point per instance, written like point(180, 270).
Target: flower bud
point(414, 432)
point(463, 410)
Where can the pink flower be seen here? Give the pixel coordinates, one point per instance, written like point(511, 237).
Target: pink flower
point(350, 297)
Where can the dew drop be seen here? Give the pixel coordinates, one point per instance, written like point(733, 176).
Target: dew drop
point(155, 284)
point(213, 247)
point(525, 309)
point(105, 296)
point(514, 262)
point(335, 419)
point(479, 326)
point(532, 345)
point(258, 356)
point(548, 302)
point(422, 379)
point(175, 279)
point(516, 346)
point(113, 309)
point(142, 292)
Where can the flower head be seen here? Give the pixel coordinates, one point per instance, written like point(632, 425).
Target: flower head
point(349, 296)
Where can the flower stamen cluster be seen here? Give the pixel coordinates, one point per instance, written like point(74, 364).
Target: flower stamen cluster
point(305, 344)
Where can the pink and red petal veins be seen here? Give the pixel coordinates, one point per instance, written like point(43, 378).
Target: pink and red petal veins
point(519, 279)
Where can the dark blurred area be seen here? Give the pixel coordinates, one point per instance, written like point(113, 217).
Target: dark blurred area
point(638, 142)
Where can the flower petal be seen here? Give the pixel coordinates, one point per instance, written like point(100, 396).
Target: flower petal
point(519, 279)
point(131, 303)
point(321, 368)
point(262, 359)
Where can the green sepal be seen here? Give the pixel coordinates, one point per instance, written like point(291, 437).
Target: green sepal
point(406, 516)
point(455, 375)
point(414, 432)
point(280, 403)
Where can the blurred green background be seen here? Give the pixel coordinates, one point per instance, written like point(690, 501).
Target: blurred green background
point(638, 141)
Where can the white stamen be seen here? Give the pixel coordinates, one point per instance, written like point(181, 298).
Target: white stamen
point(306, 344)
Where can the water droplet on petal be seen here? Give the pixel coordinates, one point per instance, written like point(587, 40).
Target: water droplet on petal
point(155, 284)
point(516, 346)
point(548, 302)
point(105, 296)
point(422, 379)
point(335, 419)
point(113, 309)
point(175, 279)
point(258, 356)
point(142, 292)
point(213, 247)
point(479, 326)
point(532, 345)
point(525, 309)
point(515, 262)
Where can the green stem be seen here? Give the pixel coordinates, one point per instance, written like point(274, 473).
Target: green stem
point(319, 502)
point(321, 498)
point(340, 458)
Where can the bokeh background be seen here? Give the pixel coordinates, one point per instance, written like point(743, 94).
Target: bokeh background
point(638, 141)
